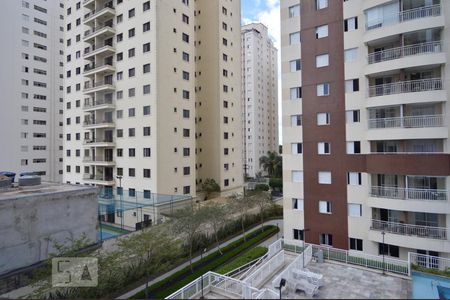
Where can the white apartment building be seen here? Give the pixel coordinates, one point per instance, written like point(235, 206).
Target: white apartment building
point(365, 98)
point(31, 81)
point(259, 96)
point(152, 94)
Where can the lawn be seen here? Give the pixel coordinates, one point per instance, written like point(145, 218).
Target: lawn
point(247, 257)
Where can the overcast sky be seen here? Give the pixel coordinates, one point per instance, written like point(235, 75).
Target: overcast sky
point(268, 13)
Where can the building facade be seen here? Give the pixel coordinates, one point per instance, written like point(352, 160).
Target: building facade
point(31, 81)
point(152, 94)
point(365, 103)
point(259, 96)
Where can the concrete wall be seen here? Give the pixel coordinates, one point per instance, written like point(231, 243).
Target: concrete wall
point(29, 224)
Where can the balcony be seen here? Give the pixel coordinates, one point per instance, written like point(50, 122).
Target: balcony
point(99, 179)
point(100, 143)
point(90, 124)
point(88, 3)
point(408, 193)
point(99, 104)
point(401, 87)
point(90, 87)
point(438, 233)
point(404, 16)
point(104, 51)
point(99, 14)
point(400, 52)
point(99, 161)
point(101, 31)
point(102, 69)
point(408, 122)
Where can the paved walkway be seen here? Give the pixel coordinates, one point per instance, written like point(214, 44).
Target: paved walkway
point(150, 283)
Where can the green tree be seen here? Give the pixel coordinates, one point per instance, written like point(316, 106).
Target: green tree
point(187, 223)
point(263, 200)
point(272, 163)
point(276, 184)
point(240, 204)
point(210, 186)
point(216, 216)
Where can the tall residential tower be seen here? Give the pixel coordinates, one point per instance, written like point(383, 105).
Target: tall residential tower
point(31, 81)
point(259, 96)
point(152, 94)
point(365, 91)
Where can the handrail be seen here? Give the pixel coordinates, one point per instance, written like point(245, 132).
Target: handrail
point(413, 86)
point(408, 193)
point(96, 12)
point(96, 122)
point(98, 103)
point(94, 30)
point(92, 67)
point(408, 122)
point(93, 141)
point(92, 49)
point(88, 85)
point(439, 233)
point(97, 159)
point(403, 51)
point(404, 16)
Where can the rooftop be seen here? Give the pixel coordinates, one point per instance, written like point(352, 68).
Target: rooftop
point(46, 188)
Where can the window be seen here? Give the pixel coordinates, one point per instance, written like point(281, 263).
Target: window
point(297, 204)
point(354, 178)
point(147, 131)
point(354, 210)
point(131, 53)
point(131, 92)
point(147, 89)
point(390, 250)
point(185, 38)
point(323, 148)
point(325, 177)
point(186, 190)
point(323, 89)
point(119, 19)
point(325, 207)
point(146, 27)
point(146, 68)
point(131, 172)
point(351, 24)
point(326, 239)
point(147, 173)
point(298, 234)
point(352, 85)
point(296, 93)
point(353, 116)
point(323, 119)
point(354, 147)
point(131, 132)
point(186, 152)
point(321, 31)
point(294, 38)
point(356, 244)
point(146, 48)
point(350, 55)
point(297, 148)
point(119, 37)
point(185, 56)
point(185, 18)
point(321, 4)
point(131, 13)
point(294, 11)
point(119, 154)
point(186, 133)
point(132, 152)
point(322, 60)
point(296, 65)
point(296, 120)
point(131, 112)
point(186, 171)
point(186, 113)
point(297, 176)
point(146, 6)
point(146, 110)
point(131, 33)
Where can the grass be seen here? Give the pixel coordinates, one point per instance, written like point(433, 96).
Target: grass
point(171, 284)
point(249, 256)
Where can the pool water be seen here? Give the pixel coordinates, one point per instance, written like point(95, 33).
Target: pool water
point(107, 234)
point(427, 286)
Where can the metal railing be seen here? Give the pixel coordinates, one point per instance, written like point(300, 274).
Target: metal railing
point(95, 103)
point(92, 67)
point(92, 49)
point(404, 16)
point(438, 233)
point(413, 86)
point(92, 141)
point(97, 122)
point(98, 11)
point(89, 33)
point(408, 193)
point(428, 261)
point(400, 52)
point(97, 177)
point(89, 85)
point(99, 159)
point(266, 270)
point(408, 122)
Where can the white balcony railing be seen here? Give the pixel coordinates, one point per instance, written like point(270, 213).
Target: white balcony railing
point(439, 233)
point(92, 49)
point(98, 122)
point(97, 103)
point(98, 159)
point(408, 122)
point(413, 86)
point(405, 16)
point(98, 141)
point(400, 52)
point(98, 11)
point(408, 193)
point(89, 33)
point(89, 85)
point(92, 67)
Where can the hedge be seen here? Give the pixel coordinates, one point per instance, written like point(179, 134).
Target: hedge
point(249, 256)
point(214, 260)
point(444, 273)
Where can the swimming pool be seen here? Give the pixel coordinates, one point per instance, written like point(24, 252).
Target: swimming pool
point(427, 286)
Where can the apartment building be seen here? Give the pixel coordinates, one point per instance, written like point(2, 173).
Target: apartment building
point(31, 79)
point(365, 99)
point(152, 95)
point(259, 96)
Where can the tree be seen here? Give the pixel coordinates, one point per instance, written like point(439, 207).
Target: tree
point(210, 186)
point(276, 184)
point(272, 163)
point(216, 216)
point(187, 223)
point(240, 204)
point(262, 187)
point(263, 201)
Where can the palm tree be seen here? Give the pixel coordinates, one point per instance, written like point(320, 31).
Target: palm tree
point(272, 163)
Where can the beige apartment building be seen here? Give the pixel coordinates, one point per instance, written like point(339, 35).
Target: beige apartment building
point(365, 105)
point(31, 83)
point(152, 95)
point(259, 96)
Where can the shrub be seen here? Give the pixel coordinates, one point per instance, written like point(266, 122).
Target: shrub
point(262, 188)
point(249, 256)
